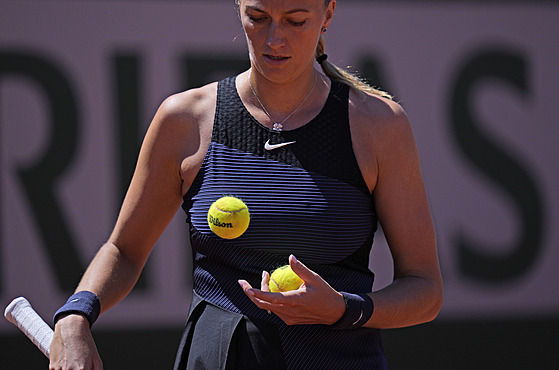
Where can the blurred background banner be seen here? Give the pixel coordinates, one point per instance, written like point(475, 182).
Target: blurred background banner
point(81, 80)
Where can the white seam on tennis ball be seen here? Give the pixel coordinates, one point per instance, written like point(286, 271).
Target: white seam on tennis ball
point(277, 285)
point(220, 210)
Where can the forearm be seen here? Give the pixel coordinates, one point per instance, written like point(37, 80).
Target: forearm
point(407, 301)
point(110, 275)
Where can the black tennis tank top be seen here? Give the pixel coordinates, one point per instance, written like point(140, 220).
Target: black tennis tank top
point(307, 198)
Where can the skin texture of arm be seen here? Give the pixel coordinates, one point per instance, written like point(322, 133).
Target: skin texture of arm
point(386, 151)
point(171, 155)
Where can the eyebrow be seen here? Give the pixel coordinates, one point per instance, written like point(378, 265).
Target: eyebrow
point(291, 11)
point(297, 11)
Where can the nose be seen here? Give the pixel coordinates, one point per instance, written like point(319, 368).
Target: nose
point(275, 37)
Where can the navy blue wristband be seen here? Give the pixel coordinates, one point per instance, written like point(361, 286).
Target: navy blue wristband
point(359, 309)
point(83, 303)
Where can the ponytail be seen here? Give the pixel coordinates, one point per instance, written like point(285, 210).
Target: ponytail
point(338, 74)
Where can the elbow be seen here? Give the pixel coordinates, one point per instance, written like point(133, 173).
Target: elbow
point(434, 312)
point(436, 303)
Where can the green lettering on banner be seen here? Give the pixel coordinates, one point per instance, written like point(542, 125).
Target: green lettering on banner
point(374, 73)
point(127, 90)
point(498, 164)
point(39, 179)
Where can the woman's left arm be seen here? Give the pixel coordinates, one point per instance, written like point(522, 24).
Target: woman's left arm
point(386, 151)
point(415, 295)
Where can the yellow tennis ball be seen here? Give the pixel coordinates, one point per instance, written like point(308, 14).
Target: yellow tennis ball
point(284, 279)
point(228, 217)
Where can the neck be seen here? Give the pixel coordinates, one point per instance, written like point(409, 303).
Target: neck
point(281, 99)
point(277, 124)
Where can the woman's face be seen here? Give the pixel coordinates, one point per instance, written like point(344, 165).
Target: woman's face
point(282, 35)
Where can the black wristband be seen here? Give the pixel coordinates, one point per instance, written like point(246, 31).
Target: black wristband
point(359, 309)
point(83, 303)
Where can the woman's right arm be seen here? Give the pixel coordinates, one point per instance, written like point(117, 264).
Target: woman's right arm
point(171, 154)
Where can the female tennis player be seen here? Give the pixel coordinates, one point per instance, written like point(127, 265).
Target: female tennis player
point(320, 159)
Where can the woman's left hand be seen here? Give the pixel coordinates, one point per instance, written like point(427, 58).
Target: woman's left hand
point(315, 302)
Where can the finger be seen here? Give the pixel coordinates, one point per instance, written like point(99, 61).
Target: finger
point(247, 288)
point(301, 270)
point(265, 305)
point(265, 284)
point(258, 296)
point(265, 300)
point(250, 292)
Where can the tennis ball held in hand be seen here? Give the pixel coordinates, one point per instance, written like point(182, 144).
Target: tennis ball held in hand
point(283, 279)
point(228, 217)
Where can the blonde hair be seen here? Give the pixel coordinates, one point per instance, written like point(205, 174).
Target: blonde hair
point(338, 74)
point(347, 78)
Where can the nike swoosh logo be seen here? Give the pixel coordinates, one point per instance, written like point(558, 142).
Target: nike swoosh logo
point(269, 146)
point(360, 316)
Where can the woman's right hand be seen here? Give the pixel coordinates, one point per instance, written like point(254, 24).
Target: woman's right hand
point(72, 345)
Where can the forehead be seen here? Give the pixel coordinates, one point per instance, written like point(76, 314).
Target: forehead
point(283, 5)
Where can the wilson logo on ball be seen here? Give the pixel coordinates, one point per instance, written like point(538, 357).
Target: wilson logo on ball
point(215, 221)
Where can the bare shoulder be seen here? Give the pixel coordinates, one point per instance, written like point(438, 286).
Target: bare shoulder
point(381, 132)
point(373, 113)
point(379, 124)
point(180, 133)
point(183, 122)
point(190, 107)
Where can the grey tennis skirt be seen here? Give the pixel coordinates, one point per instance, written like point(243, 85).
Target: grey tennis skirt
point(214, 338)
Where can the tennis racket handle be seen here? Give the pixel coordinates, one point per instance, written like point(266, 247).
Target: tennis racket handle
point(20, 313)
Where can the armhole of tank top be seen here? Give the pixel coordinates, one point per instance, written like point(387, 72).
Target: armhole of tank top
point(193, 189)
point(218, 99)
point(339, 88)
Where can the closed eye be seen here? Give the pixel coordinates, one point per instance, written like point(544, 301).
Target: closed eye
point(297, 24)
point(256, 19)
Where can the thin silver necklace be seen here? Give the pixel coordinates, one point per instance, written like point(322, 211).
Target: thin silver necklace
point(278, 126)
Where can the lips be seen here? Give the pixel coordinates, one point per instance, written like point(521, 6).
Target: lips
point(275, 57)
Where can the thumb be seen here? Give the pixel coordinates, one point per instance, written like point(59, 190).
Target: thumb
point(301, 270)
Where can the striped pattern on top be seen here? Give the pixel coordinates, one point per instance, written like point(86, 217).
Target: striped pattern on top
point(320, 220)
point(308, 199)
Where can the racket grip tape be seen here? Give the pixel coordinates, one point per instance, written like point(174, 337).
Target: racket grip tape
point(20, 313)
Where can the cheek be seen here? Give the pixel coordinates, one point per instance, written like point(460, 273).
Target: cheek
point(306, 41)
point(252, 35)
point(250, 43)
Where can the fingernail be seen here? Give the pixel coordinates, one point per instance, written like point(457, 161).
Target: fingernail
point(250, 292)
point(263, 274)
